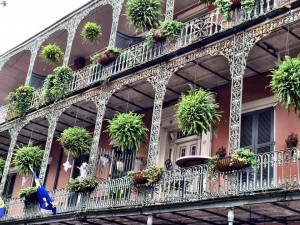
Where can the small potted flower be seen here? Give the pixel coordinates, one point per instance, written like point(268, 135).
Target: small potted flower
point(107, 56)
point(292, 140)
point(221, 152)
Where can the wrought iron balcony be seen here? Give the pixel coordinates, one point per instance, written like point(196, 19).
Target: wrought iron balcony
point(275, 172)
point(139, 54)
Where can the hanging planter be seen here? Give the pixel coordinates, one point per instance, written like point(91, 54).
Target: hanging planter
point(19, 101)
point(143, 14)
point(29, 194)
point(127, 130)
point(146, 177)
point(76, 140)
point(285, 83)
point(107, 56)
point(26, 157)
point(197, 112)
point(292, 140)
point(51, 54)
point(86, 185)
point(168, 29)
point(91, 32)
point(56, 85)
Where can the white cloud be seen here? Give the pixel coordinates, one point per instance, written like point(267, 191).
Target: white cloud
point(22, 19)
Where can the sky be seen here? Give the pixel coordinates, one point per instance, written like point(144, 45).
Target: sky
point(22, 19)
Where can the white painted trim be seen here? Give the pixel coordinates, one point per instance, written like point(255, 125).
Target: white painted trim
point(259, 104)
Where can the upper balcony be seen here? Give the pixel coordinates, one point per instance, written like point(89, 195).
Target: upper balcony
point(203, 25)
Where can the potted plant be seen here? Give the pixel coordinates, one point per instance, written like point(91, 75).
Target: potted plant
point(197, 112)
point(168, 29)
point(107, 56)
point(248, 5)
point(221, 152)
point(56, 85)
point(285, 83)
point(19, 101)
point(224, 7)
point(29, 194)
point(2, 165)
point(116, 193)
point(127, 130)
point(147, 176)
point(51, 54)
point(91, 32)
point(86, 185)
point(292, 140)
point(76, 140)
point(26, 157)
point(144, 15)
point(240, 159)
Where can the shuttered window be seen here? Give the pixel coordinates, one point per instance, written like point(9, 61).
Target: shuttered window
point(257, 130)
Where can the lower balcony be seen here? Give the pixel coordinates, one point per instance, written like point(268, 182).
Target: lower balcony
point(275, 177)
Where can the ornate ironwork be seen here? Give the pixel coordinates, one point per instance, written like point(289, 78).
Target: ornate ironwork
point(169, 10)
point(159, 82)
point(52, 117)
point(14, 132)
point(117, 7)
point(100, 102)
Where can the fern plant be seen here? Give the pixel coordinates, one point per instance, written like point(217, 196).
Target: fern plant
point(76, 140)
point(197, 112)
point(26, 157)
point(127, 130)
point(91, 32)
point(248, 5)
point(285, 83)
point(143, 14)
point(51, 54)
point(56, 85)
point(19, 101)
point(86, 185)
point(224, 7)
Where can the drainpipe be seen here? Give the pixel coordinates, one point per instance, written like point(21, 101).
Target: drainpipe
point(230, 216)
point(150, 220)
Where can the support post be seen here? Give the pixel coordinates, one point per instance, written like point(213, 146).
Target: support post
point(230, 216)
point(34, 48)
point(237, 56)
point(117, 7)
point(100, 102)
point(159, 83)
point(14, 132)
point(52, 119)
point(150, 220)
point(169, 9)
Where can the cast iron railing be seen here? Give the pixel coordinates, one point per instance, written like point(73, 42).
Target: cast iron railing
point(275, 171)
point(138, 54)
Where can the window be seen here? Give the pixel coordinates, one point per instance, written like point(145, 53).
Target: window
point(9, 185)
point(77, 163)
point(257, 130)
point(122, 162)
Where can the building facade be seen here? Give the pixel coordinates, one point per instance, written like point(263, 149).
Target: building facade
point(231, 58)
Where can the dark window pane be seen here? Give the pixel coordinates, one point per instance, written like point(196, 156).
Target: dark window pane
point(264, 127)
point(246, 130)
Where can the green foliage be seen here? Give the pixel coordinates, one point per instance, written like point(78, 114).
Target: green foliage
point(285, 83)
point(91, 32)
point(169, 29)
point(143, 14)
point(246, 156)
point(27, 191)
point(224, 7)
point(2, 164)
point(27, 156)
point(19, 101)
point(113, 49)
point(76, 140)
point(211, 163)
point(116, 193)
point(197, 112)
point(127, 130)
point(153, 174)
point(248, 5)
point(51, 54)
point(56, 85)
point(86, 185)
